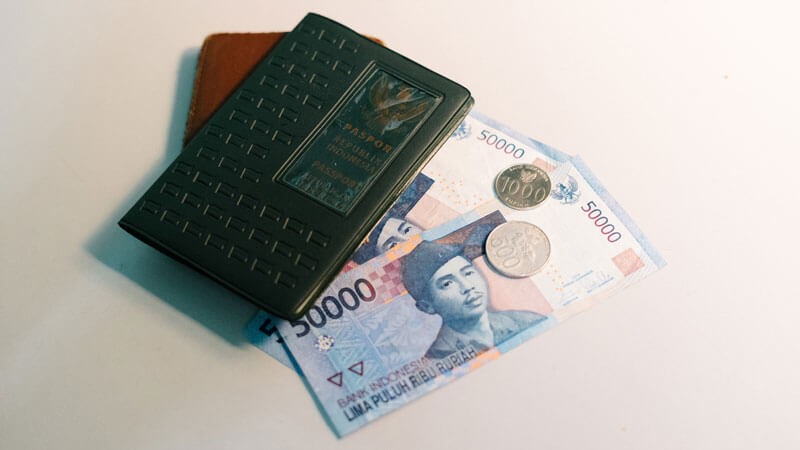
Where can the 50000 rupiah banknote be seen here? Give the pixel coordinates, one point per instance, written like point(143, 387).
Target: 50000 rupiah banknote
point(413, 319)
point(596, 250)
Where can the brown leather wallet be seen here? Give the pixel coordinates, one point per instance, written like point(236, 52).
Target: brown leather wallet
point(225, 60)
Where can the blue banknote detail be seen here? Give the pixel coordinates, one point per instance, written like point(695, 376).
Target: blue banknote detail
point(346, 377)
point(262, 331)
point(566, 191)
point(579, 285)
point(550, 152)
point(463, 131)
point(325, 343)
point(615, 207)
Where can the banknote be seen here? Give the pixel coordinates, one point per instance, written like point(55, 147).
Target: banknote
point(430, 309)
point(597, 249)
point(419, 316)
point(409, 321)
point(434, 198)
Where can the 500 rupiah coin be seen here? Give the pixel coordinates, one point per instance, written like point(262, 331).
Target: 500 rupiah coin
point(517, 249)
point(522, 186)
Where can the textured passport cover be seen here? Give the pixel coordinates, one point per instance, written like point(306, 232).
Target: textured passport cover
point(286, 178)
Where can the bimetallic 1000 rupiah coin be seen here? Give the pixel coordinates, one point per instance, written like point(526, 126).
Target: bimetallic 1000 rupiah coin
point(522, 186)
point(517, 249)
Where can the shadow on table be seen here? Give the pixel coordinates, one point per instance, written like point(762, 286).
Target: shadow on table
point(188, 291)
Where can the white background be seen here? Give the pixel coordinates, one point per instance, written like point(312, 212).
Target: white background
point(688, 111)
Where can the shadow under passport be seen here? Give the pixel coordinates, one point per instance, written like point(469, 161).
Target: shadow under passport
point(187, 290)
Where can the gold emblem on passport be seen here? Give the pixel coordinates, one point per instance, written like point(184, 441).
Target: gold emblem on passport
point(360, 141)
point(392, 103)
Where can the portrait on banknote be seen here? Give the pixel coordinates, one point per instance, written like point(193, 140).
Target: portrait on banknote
point(395, 227)
point(442, 279)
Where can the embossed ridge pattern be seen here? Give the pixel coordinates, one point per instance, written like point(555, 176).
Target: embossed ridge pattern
point(218, 206)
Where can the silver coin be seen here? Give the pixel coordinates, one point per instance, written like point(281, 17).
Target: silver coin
point(522, 186)
point(517, 249)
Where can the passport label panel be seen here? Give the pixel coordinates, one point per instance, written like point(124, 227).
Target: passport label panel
point(351, 151)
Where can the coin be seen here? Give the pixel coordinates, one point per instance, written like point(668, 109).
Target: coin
point(522, 186)
point(517, 249)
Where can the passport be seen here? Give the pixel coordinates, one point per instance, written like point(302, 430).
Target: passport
point(286, 178)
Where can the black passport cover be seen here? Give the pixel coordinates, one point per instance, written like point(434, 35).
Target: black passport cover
point(276, 191)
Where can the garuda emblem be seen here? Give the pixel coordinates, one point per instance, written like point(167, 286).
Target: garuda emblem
point(393, 104)
point(526, 176)
point(566, 192)
point(463, 131)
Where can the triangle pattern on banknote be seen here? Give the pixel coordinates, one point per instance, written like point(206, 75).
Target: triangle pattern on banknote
point(336, 379)
point(357, 368)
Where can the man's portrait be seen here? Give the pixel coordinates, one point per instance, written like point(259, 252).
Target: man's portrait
point(443, 280)
point(394, 228)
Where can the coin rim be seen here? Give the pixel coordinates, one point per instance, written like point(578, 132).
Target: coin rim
point(549, 188)
point(491, 264)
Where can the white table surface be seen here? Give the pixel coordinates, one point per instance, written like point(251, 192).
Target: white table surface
point(688, 111)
